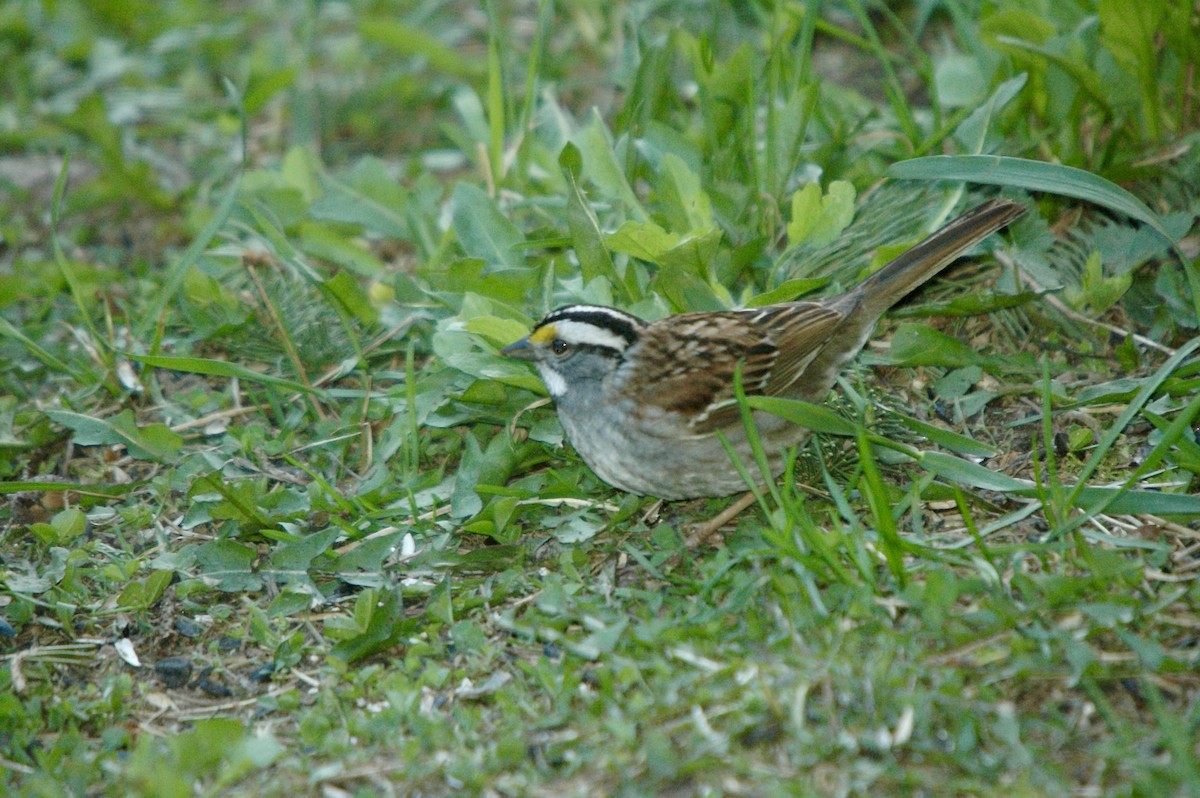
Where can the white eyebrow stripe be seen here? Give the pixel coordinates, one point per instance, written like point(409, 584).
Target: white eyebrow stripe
point(577, 332)
point(599, 310)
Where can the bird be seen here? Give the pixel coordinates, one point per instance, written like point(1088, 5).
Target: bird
point(646, 403)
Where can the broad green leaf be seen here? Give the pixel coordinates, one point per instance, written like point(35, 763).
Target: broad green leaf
point(465, 501)
point(263, 84)
point(349, 293)
point(1015, 22)
point(957, 383)
point(486, 366)
point(960, 80)
point(917, 345)
point(289, 602)
point(484, 232)
point(70, 524)
point(602, 167)
point(972, 133)
point(379, 615)
point(1097, 292)
point(643, 240)
point(369, 198)
point(1119, 390)
point(496, 330)
point(694, 253)
point(291, 560)
point(151, 442)
point(367, 556)
point(8, 407)
point(588, 241)
point(227, 565)
point(788, 291)
point(818, 220)
point(143, 594)
point(410, 40)
point(301, 170)
point(439, 605)
point(324, 242)
point(64, 527)
point(239, 500)
point(687, 206)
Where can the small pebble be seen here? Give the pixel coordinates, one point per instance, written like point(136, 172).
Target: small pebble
point(211, 686)
point(174, 671)
point(263, 672)
point(188, 628)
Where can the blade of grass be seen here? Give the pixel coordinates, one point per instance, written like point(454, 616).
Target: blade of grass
point(412, 454)
point(1175, 735)
point(67, 270)
point(881, 508)
point(1122, 501)
point(6, 328)
point(855, 550)
point(1181, 426)
point(91, 489)
point(497, 104)
point(1148, 389)
point(1066, 181)
point(891, 83)
point(545, 17)
point(219, 368)
point(1058, 510)
point(178, 270)
point(1088, 80)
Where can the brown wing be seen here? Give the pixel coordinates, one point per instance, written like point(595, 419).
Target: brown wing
point(776, 344)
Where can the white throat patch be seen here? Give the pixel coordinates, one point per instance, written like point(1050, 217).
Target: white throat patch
point(555, 384)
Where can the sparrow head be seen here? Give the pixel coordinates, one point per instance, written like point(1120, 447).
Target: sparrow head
point(575, 343)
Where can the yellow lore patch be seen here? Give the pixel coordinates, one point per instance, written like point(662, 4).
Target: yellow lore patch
point(543, 335)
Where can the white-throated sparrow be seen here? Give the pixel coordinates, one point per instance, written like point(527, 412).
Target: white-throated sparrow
point(642, 402)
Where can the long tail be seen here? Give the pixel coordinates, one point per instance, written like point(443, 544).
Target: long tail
point(904, 273)
point(862, 305)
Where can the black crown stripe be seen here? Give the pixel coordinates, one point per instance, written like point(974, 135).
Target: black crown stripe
point(604, 319)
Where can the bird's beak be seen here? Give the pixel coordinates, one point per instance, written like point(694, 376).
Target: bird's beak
point(522, 350)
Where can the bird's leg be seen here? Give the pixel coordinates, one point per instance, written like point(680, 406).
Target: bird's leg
point(700, 533)
point(651, 513)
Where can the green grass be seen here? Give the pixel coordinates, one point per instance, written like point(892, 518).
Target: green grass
point(278, 519)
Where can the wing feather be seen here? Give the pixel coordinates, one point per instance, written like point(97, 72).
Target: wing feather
point(776, 344)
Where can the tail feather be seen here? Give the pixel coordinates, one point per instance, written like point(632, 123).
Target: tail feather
point(904, 273)
point(862, 305)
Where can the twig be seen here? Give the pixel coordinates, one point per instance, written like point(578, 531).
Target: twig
point(1058, 305)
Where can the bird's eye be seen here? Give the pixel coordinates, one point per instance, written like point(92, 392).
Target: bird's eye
point(559, 346)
